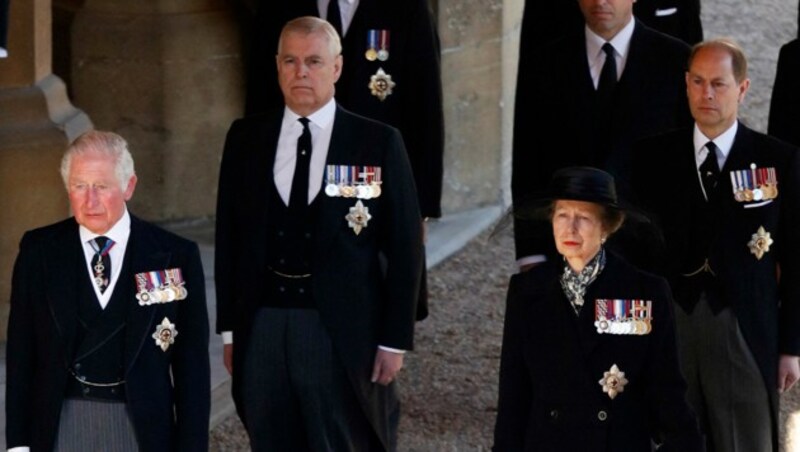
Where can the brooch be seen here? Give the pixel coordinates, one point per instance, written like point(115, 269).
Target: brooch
point(613, 381)
point(165, 334)
point(358, 217)
point(759, 242)
point(381, 84)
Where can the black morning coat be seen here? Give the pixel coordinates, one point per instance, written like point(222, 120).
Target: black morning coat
point(362, 303)
point(764, 294)
point(168, 392)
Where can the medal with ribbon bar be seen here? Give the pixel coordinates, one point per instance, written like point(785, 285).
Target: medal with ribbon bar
point(754, 184)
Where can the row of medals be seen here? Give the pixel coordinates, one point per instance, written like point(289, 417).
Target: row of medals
point(163, 293)
point(755, 184)
point(360, 191)
point(621, 322)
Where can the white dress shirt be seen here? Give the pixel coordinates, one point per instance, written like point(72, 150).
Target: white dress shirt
point(321, 126)
point(724, 142)
point(119, 233)
point(597, 57)
point(346, 7)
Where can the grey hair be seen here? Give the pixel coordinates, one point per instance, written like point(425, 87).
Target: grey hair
point(308, 25)
point(105, 143)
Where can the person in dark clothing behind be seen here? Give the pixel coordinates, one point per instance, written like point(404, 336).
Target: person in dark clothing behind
point(784, 107)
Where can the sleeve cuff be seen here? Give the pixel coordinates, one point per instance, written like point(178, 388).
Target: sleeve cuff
point(393, 350)
point(227, 337)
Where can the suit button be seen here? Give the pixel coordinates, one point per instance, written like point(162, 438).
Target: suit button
point(77, 366)
point(280, 233)
point(301, 290)
point(602, 415)
point(554, 414)
point(281, 289)
point(113, 390)
point(85, 391)
point(307, 235)
point(282, 261)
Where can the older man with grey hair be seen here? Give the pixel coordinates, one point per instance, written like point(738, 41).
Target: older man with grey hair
point(108, 331)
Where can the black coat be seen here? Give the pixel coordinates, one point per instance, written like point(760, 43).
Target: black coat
point(550, 398)
point(168, 392)
point(784, 114)
point(649, 98)
point(414, 107)
point(361, 304)
point(767, 307)
point(543, 22)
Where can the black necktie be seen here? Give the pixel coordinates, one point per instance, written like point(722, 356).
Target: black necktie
point(335, 16)
point(298, 198)
point(709, 170)
point(101, 262)
point(608, 75)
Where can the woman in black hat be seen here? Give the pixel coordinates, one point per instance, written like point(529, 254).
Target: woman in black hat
point(589, 359)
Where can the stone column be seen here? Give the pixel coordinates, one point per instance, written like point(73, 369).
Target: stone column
point(479, 40)
point(167, 76)
point(37, 122)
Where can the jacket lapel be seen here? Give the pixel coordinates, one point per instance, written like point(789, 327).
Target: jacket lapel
point(64, 266)
point(143, 254)
point(330, 211)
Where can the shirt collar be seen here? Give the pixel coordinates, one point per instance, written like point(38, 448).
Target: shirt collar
point(322, 118)
point(119, 233)
point(621, 41)
point(724, 141)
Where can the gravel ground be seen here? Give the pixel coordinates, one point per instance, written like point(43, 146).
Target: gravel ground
point(449, 384)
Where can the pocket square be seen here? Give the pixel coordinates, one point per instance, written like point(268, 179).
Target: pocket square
point(666, 12)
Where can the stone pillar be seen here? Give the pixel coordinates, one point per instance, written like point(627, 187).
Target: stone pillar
point(479, 40)
point(37, 122)
point(167, 76)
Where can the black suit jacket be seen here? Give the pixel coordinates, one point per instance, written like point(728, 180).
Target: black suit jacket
point(784, 116)
point(361, 303)
point(678, 18)
point(4, 24)
point(168, 393)
point(414, 107)
point(543, 22)
point(552, 361)
point(650, 98)
point(765, 300)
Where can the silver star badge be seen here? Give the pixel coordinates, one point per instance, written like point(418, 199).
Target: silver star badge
point(381, 84)
point(358, 217)
point(759, 243)
point(165, 334)
point(613, 381)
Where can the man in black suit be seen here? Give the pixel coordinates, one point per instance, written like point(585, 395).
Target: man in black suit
point(727, 199)
point(543, 22)
point(385, 43)
point(784, 116)
point(597, 117)
point(318, 260)
point(108, 330)
point(392, 75)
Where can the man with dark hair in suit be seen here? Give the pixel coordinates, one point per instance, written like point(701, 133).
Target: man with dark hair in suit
point(318, 261)
point(108, 330)
point(727, 199)
point(602, 86)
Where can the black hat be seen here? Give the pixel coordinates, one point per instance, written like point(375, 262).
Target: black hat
point(583, 183)
point(576, 183)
